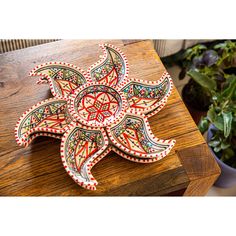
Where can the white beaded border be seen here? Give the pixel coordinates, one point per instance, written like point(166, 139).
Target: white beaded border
point(100, 157)
point(75, 115)
point(156, 110)
point(156, 105)
point(135, 159)
point(145, 82)
point(23, 139)
point(170, 143)
point(126, 156)
point(98, 154)
point(34, 72)
point(103, 59)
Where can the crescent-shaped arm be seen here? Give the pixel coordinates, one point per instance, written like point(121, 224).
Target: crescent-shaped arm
point(147, 97)
point(62, 77)
point(47, 117)
point(112, 69)
point(80, 147)
point(133, 136)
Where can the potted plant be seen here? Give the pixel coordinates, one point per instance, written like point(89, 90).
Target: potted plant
point(207, 65)
point(220, 123)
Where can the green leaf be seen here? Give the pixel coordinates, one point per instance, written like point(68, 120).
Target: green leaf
point(214, 143)
point(220, 45)
point(228, 153)
point(224, 145)
point(217, 149)
point(227, 123)
point(211, 114)
point(203, 124)
point(219, 123)
point(203, 80)
point(217, 109)
point(187, 52)
point(230, 91)
point(201, 46)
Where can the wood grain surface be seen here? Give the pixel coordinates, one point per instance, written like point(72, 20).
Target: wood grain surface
point(37, 170)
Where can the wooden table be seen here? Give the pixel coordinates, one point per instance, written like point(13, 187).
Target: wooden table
point(189, 169)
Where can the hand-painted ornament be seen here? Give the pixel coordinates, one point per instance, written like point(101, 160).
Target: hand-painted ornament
point(95, 112)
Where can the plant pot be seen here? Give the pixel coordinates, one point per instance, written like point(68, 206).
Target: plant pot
point(227, 177)
point(196, 114)
point(195, 111)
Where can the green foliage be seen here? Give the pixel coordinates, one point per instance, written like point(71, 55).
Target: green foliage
point(203, 125)
point(222, 114)
point(208, 66)
point(228, 53)
point(203, 80)
point(195, 51)
point(212, 70)
point(227, 121)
